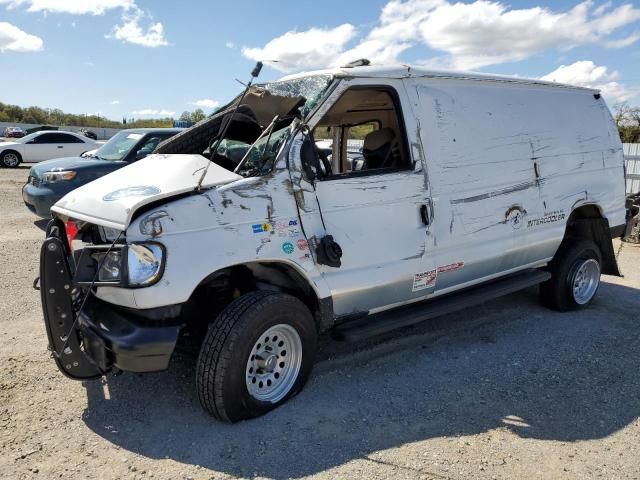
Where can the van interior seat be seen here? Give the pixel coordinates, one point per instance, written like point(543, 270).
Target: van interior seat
point(381, 149)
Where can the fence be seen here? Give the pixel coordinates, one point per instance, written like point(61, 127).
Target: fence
point(632, 164)
point(102, 133)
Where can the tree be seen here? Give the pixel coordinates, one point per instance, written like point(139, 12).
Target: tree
point(198, 115)
point(186, 116)
point(627, 120)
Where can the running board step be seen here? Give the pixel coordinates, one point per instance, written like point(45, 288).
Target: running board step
point(371, 325)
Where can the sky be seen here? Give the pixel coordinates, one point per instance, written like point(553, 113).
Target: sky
point(144, 58)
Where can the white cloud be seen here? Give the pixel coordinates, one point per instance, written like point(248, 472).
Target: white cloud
point(467, 35)
point(130, 31)
point(486, 33)
point(585, 73)
point(15, 40)
point(74, 7)
point(114, 102)
point(153, 112)
point(230, 45)
point(205, 103)
point(303, 50)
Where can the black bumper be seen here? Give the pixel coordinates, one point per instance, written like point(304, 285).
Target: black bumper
point(101, 336)
point(110, 338)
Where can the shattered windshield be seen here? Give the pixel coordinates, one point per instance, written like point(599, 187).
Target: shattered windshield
point(311, 88)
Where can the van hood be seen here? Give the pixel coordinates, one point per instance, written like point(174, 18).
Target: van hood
point(112, 200)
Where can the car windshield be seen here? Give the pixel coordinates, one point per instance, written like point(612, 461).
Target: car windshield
point(260, 158)
point(119, 146)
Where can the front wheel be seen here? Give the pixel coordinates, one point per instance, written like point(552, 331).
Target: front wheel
point(256, 355)
point(575, 277)
point(10, 159)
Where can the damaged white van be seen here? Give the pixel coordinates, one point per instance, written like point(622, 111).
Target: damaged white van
point(244, 234)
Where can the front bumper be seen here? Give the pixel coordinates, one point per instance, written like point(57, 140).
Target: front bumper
point(111, 339)
point(39, 200)
point(101, 336)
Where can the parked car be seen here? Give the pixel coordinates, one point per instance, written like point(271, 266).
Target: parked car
point(51, 180)
point(43, 145)
point(471, 186)
point(89, 133)
point(13, 132)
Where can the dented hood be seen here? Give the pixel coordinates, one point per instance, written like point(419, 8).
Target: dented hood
point(112, 200)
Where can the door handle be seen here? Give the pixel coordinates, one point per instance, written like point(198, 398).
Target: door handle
point(60, 146)
point(426, 212)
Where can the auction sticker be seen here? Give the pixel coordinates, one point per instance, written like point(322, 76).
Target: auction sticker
point(424, 280)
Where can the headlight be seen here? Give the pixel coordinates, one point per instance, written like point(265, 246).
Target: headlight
point(133, 265)
point(111, 268)
point(61, 176)
point(144, 264)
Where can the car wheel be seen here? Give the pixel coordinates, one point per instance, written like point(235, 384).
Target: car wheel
point(575, 279)
point(10, 159)
point(256, 355)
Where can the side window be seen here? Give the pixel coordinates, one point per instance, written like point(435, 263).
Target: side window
point(147, 146)
point(364, 132)
point(46, 138)
point(65, 138)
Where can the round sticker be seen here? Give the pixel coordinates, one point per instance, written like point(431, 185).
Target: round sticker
point(302, 244)
point(287, 247)
point(137, 191)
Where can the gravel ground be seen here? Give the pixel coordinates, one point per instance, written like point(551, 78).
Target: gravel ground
point(507, 390)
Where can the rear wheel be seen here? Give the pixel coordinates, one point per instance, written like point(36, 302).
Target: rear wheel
point(575, 277)
point(256, 355)
point(10, 159)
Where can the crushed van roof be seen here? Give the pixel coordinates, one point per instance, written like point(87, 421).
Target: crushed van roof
point(408, 71)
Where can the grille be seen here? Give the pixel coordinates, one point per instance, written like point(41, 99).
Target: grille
point(35, 181)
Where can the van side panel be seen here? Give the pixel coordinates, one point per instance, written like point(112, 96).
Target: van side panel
point(507, 164)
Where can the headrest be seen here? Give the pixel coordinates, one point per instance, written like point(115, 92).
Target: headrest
point(378, 138)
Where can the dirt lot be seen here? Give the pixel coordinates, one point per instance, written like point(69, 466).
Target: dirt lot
point(507, 390)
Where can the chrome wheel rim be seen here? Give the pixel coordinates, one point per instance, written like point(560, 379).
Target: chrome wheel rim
point(585, 281)
point(11, 159)
point(274, 363)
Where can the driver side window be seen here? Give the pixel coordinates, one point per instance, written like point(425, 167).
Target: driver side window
point(363, 133)
point(147, 147)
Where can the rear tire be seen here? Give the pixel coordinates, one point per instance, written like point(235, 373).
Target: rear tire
point(10, 159)
point(575, 271)
point(256, 355)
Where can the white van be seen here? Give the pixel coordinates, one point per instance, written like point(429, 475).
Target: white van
point(245, 234)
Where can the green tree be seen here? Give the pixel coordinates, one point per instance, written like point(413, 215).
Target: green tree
point(198, 115)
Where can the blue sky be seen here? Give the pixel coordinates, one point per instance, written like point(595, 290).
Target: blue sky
point(147, 58)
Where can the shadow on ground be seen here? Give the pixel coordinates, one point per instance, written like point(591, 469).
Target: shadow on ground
point(542, 375)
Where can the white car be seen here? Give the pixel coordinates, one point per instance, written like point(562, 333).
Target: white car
point(44, 145)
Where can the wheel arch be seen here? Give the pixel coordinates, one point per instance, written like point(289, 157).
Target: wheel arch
point(587, 221)
point(224, 285)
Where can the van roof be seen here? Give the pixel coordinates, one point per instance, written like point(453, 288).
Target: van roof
point(409, 71)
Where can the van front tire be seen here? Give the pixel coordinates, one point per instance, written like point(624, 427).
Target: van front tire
point(256, 355)
point(575, 271)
